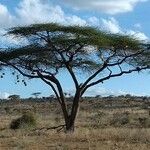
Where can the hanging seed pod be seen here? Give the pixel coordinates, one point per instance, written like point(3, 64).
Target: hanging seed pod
point(3, 73)
point(25, 84)
point(13, 73)
point(17, 76)
point(1, 76)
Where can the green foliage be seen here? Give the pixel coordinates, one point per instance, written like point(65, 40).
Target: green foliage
point(69, 34)
point(83, 48)
point(27, 120)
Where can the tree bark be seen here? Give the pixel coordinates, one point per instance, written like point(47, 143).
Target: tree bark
point(70, 122)
point(70, 125)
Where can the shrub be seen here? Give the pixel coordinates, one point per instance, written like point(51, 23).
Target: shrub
point(120, 119)
point(27, 120)
point(144, 122)
point(7, 110)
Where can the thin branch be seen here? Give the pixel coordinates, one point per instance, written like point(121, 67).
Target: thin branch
point(29, 67)
point(21, 72)
point(42, 36)
point(120, 67)
point(105, 65)
point(3, 64)
point(73, 76)
point(125, 57)
point(70, 70)
point(50, 128)
point(109, 71)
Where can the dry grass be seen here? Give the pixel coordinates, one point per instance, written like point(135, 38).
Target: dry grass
point(96, 129)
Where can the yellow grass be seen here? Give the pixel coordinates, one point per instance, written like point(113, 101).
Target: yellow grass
point(87, 136)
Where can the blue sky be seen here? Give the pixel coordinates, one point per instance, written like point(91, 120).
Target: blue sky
point(117, 16)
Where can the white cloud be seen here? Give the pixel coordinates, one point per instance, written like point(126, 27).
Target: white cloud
point(103, 92)
point(94, 21)
point(10, 40)
point(75, 20)
point(138, 25)
point(111, 25)
point(33, 11)
point(137, 34)
point(106, 6)
point(4, 95)
point(6, 18)
point(97, 90)
point(37, 11)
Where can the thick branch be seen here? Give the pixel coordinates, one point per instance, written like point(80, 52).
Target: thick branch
point(61, 98)
point(51, 85)
point(70, 70)
point(124, 59)
point(106, 65)
point(73, 76)
point(113, 75)
point(63, 103)
point(94, 75)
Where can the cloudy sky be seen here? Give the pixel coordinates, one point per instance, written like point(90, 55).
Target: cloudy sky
point(129, 17)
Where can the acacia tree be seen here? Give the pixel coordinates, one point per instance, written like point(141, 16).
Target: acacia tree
point(36, 94)
point(14, 97)
point(52, 49)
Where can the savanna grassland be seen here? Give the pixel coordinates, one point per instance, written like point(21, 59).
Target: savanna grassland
point(118, 123)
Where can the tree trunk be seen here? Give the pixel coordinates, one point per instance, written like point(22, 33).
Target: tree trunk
point(70, 125)
point(70, 122)
point(70, 119)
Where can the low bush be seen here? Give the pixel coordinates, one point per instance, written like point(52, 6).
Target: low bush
point(120, 119)
point(144, 122)
point(27, 120)
point(7, 110)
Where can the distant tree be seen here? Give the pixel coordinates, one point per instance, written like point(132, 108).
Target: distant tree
point(36, 94)
point(52, 49)
point(52, 96)
point(121, 96)
point(67, 94)
point(14, 97)
point(111, 96)
point(128, 96)
point(98, 96)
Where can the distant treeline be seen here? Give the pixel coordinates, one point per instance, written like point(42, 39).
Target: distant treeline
point(97, 97)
